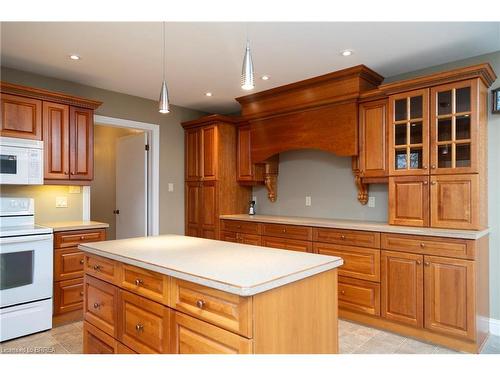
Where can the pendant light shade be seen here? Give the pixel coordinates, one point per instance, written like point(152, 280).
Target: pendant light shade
point(163, 105)
point(247, 76)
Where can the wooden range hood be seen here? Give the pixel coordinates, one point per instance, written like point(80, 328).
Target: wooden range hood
point(318, 113)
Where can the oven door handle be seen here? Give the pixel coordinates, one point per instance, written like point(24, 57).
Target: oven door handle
point(20, 239)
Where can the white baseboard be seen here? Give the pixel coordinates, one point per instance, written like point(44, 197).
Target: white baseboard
point(495, 327)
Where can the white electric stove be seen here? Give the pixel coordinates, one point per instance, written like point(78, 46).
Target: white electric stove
point(26, 255)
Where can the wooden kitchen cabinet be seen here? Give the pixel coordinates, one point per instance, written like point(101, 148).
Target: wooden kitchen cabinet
point(192, 154)
point(359, 295)
point(373, 139)
point(287, 244)
point(409, 201)
point(100, 307)
point(56, 141)
point(81, 140)
point(209, 152)
point(21, 117)
point(68, 296)
point(247, 172)
point(402, 287)
point(193, 208)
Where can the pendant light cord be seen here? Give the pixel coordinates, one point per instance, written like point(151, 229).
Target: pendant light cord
point(164, 51)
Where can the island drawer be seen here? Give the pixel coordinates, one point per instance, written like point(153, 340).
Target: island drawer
point(96, 341)
point(287, 244)
point(347, 237)
point(193, 336)
point(100, 303)
point(225, 310)
point(240, 226)
point(73, 238)
point(68, 295)
point(68, 263)
point(146, 283)
point(359, 295)
point(249, 239)
point(103, 268)
point(295, 232)
point(359, 262)
point(448, 247)
point(143, 325)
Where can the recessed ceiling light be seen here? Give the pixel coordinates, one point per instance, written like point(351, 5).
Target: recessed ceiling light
point(74, 57)
point(346, 52)
point(208, 94)
point(265, 77)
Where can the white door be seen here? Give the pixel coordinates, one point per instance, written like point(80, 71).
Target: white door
point(131, 186)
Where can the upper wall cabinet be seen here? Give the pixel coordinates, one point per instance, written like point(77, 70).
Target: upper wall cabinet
point(247, 172)
point(56, 140)
point(21, 117)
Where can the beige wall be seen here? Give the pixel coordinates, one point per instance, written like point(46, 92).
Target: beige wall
point(103, 188)
point(45, 201)
point(138, 109)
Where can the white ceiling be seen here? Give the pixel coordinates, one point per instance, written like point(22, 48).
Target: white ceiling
point(201, 57)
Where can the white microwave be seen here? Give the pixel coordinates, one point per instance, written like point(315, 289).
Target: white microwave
point(21, 161)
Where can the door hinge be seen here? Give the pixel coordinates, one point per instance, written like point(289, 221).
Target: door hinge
point(146, 147)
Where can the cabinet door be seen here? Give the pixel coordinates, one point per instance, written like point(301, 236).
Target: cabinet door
point(56, 141)
point(193, 336)
point(20, 117)
point(409, 133)
point(359, 295)
point(402, 287)
point(449, 296)
point(454, 128)
point(97, 342)
point(193, 209)
point(209, 142)
point(68, 296)
point(209, 212)
point(373, 139)
point(246, 170)
point(99, 308)
point(193, 154)
point(409, 201)
point(455, 201)
point(81, 150)
point(68, 263)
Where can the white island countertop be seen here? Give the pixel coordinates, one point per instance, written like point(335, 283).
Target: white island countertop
point(240, 269)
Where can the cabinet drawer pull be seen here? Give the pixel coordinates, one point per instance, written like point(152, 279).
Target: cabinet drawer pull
point(82, 238)
point(139, 327)
point(433, 166)
point(97, 267)
point(81, 294)
point(81, 261)
point(433, 182)
point(73, 173)
point(65, 172)
point(427, 264)
point(97, 305)
point(342, 237)
point(283, 230)
point(424, 166)
point(342, 292)
point(419, 262)
point(139, 282)
point(426, 183)
point(422, 245)
point(200, 303)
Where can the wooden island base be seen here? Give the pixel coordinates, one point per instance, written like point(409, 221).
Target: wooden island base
point(128, 309)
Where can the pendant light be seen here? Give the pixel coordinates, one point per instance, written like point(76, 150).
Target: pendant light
point(247, 76)
point(163, 105)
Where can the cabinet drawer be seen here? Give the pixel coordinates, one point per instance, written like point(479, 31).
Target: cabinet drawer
point(102, 268)
point(99, 307)
point(193, 336)
point(143, 324)
point(146, 283)
point(250, 239)
point(229, 236)
point(295, 232)
point(359, 295)
point(223, 309)
point(68, 263)
point(347, 237)
point(68, 295)
point(360, 263)
point(96, 341)
point(73, 238)
point(240, 226)
point(286, 244)
point(451, 247)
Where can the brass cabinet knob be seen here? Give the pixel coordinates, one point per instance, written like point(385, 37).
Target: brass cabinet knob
point(82, 238)
point(97, 267)
point(284, 230)
point(200, 303)
point(81, 261)
point(342, 237)
point(139, 327)
point(422, 245)
point(97, 305)
point(81, 294)
point(139, 282)
point(342, 292)
point(419, 262)
point(433, 182)
point(433, 166)
point(73, 173)
point(427, 264)
point(65, 172)
point(425, 182)
point(424, 166)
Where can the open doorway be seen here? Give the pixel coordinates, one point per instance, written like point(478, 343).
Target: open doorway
point(124, 189)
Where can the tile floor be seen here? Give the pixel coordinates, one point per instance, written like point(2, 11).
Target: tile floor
point(353, 338)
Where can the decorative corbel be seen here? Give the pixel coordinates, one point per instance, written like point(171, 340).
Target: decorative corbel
point(362, 187)
point(271, 177)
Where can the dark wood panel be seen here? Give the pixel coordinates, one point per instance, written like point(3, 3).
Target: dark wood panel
point(81, 144)
point(56, 141)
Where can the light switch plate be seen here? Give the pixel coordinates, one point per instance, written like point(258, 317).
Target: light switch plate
point(308, 200)
point(61, 202)
point(170, 187)
point(371, 202)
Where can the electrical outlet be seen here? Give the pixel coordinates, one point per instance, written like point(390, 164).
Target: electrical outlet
point(371, 202)
point(170, 187)
point(308, 200)
point(61, 202)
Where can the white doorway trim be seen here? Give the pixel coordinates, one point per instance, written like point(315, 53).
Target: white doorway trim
point(154, 149)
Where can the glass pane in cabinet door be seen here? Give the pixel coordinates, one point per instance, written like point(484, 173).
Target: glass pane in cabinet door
point(400, 134)
point(462, 100)
point(444, 156)
point(416, 133)
point(400, 110)
point(416, 107)
point(400, 160)
point(444, 103)
point(444, 129)
point(415, 158)
point(462, 158)
point(462, 127)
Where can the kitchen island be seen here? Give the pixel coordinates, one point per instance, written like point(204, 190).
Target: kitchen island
point(178, 294)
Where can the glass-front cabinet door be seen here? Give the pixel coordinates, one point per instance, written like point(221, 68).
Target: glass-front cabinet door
point(409, 133)
point(454, 126)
